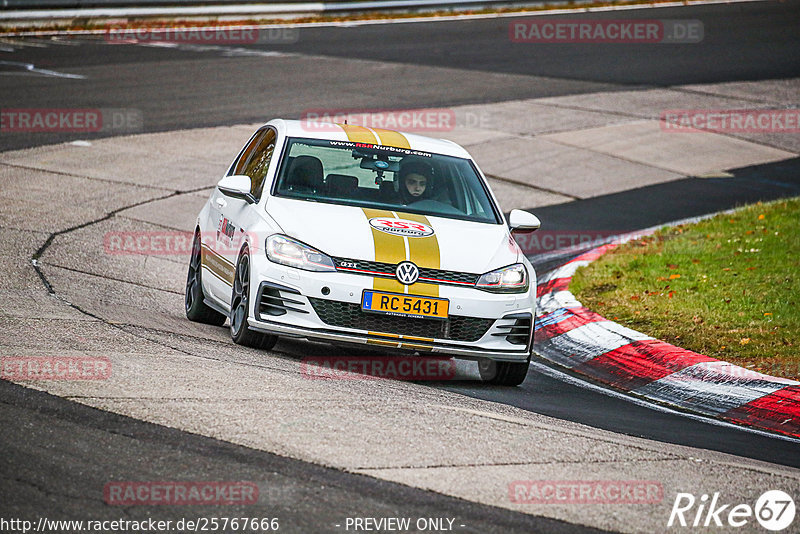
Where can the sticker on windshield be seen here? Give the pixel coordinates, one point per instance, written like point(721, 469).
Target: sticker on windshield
point(381, 149)
point(401, 227)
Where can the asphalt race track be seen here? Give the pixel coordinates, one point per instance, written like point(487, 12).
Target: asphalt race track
point(303, 495)
point(58, 449)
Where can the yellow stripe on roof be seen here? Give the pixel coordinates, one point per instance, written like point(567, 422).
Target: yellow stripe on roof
point(359, 134)
point(392, 138)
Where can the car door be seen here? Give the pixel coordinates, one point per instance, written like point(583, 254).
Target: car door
point(228, 216)
point(236, 215)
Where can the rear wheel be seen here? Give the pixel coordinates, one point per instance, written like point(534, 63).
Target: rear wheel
point(240, 308)
point(503, 373)
point(196, 309)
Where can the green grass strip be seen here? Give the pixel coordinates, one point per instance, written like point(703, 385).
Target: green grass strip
point(727, 287)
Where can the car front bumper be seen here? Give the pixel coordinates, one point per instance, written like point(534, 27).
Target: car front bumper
point(325, 306)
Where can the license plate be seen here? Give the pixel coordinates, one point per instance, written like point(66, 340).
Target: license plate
point(404, 305)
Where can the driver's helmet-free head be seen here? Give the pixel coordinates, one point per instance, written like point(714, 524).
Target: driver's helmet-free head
point(415, 180)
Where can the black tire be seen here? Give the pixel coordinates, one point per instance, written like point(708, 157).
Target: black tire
point(240, 308)
point(503, 373)
point(196, 309)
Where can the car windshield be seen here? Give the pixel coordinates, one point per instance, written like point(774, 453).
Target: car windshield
point(374, 176)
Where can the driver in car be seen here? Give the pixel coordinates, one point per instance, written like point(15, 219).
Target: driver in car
point(415, 181)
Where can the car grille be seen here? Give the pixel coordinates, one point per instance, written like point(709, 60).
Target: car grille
point(347, 315)
point(377, 268)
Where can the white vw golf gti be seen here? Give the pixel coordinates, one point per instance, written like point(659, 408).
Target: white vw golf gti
point(346, 234)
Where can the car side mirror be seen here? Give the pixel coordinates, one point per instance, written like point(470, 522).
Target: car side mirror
point(236, 186)
point(523, 222)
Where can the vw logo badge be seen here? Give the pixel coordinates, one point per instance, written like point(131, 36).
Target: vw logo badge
point(407, 272)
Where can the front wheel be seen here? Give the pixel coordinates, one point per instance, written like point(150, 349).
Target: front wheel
point(240, 308)
point(503, 373)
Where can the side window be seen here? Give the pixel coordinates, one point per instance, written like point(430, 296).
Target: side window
point(255, 160)
point(246, 153)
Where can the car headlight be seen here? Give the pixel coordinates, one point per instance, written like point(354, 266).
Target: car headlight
point(287, 251)
point(511, 279)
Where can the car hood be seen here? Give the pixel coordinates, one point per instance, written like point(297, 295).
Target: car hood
point(364, 234)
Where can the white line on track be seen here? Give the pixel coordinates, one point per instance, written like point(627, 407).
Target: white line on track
point(33, 43)
point(226, 50)
point(65, 42)
point(30, 67)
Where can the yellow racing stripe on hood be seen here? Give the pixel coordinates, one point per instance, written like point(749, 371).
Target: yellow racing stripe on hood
point(392, 138)
point(422, 251)
point(359, 134)
point(389, 249)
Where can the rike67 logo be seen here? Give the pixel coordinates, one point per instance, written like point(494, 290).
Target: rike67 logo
point(774, 510)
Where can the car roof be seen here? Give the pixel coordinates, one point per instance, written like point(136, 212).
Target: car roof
point(343, 132)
